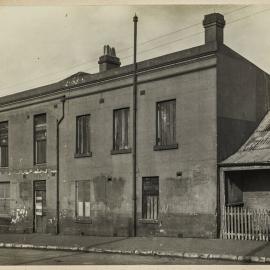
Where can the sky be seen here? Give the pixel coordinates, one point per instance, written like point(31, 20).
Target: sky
point(41, 45)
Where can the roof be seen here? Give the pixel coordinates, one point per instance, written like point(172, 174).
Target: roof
point(256, 149)
point(82, 78)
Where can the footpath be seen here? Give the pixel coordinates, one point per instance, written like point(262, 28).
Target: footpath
point(234, 250)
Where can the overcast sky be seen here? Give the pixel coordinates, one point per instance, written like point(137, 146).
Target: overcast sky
point(42, 45)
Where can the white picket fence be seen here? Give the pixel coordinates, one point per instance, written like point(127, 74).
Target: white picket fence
point(245, 224)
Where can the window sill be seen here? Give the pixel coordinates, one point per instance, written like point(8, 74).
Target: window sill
point(83, 155)
point(40, 165)
point(122, 151)
point(165, 147)
point(5, 216)
point(148, 221)
point(83, 221)
point(235, 204)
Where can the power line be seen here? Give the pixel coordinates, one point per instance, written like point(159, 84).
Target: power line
point(248, 16)
point(173, 32)
point(161, 45)
point(235, 10)
point(142, 43)
point(164, 44)
point(181, 29)
point(121, 50)
point(231, 22)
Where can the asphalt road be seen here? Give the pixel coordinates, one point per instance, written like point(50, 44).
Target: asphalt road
point(41, 257)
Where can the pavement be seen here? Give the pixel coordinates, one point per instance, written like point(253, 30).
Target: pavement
point(213, 249)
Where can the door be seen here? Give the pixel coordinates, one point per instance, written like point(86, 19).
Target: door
point(40, 206)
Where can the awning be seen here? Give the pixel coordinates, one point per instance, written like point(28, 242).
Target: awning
point(256, 150)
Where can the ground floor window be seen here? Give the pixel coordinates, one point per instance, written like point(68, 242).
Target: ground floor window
point(4, 199)
point(82, 199)
point(150, 198)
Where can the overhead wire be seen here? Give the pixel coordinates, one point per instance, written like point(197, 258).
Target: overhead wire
point(121, 50)
point(142, 43)
point(194, 34)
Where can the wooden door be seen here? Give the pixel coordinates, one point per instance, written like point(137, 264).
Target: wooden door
point(40, 206)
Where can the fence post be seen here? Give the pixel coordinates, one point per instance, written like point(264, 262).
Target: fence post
point(230, 221)
point(224, 222)
point(238, 223)
point(242, 225)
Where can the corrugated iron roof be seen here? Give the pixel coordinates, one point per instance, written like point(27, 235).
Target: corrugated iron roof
point(257, 148)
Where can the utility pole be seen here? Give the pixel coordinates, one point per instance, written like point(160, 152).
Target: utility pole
point(134, 150)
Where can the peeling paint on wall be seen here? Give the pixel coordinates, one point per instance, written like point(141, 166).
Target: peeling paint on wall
point(63, 213)
point(52, 221)
point(29, 171)
point(18, 215)
point(25, 189)
point(111, 193)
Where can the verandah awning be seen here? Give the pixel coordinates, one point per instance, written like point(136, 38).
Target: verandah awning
point(256, 150)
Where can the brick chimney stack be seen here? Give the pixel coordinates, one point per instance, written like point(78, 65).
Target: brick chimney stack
point(214, 24)
point(108, 60)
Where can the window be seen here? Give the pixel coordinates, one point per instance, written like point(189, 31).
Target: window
point(4, 144)
point(83, 135)
point(40, 139)
point(150, 198)
point(82, 199)
point(4, 199)
point(166, 127)
point(120, 130)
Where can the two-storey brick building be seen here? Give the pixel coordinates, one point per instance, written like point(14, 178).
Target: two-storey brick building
point(67, 154)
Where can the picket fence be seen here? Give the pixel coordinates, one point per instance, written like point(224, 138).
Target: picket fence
point(245, 224)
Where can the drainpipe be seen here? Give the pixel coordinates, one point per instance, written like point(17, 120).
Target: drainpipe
point(134, 152)
point(218, 208)
point(58, 122)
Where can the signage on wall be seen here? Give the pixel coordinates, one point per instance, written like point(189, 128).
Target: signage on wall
point(38, 207)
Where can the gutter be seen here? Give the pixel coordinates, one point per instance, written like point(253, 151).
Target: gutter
point(183, 56)
point(97, 83)
point(221, 165)
point(58, 122)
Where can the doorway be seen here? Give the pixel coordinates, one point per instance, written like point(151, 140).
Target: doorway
point(245, 211)
point(40, 206)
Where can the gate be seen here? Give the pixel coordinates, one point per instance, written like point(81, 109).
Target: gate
point(245, 224)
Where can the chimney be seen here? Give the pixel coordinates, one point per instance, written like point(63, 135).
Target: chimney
point(214, 24)
point(108, 60)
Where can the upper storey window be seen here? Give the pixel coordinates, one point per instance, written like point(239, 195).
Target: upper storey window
point(166, 125)
point(4, 144)
point(83, 135)
point(120, 130)
point(40, 139)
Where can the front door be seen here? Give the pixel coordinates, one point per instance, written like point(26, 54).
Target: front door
point(40, 206)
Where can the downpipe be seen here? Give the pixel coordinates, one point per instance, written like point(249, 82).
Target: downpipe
point(58, 122)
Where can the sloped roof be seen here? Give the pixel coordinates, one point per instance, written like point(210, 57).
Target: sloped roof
point(82, 78)
point(256, 149)
point(75, 79)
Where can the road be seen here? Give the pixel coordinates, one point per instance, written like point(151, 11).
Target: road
point(48, 257)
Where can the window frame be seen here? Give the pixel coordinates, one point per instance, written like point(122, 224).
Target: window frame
point(157, 146)
point(115, 151)
point(7, 150)
point(35, 151)
point(83, 218)
point(9, 200)
point(89, 153)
